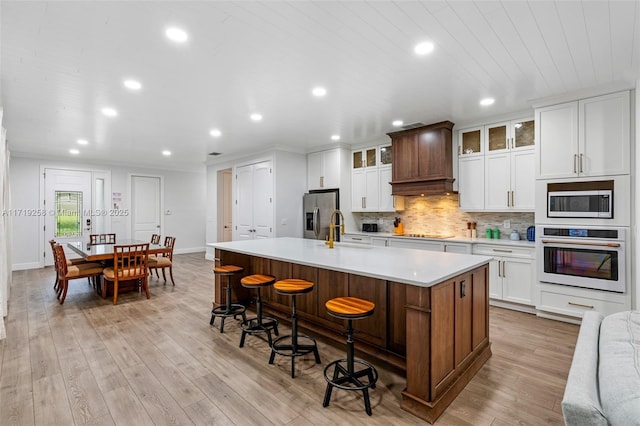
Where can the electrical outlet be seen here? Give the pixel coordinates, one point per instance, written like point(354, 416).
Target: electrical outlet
point(506, 224)
point(380, 221)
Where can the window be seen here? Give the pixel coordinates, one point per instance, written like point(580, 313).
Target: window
point(68, 214)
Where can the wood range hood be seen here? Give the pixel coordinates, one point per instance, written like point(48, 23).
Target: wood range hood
point(422, 160)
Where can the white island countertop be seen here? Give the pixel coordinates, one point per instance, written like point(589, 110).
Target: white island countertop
point(409, 266)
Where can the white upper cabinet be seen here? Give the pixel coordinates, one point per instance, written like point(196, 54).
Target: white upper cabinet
point(323, 169)
point(496, 166)
point(589, 137)
point(370, 177)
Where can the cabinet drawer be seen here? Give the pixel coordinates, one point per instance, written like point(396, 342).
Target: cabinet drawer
point(577, 305)
point(504, 251)
point(355, 239)
point(457, 248)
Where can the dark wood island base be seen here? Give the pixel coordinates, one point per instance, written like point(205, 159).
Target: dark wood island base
point(439, 335)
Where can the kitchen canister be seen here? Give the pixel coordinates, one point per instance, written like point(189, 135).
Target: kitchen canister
point(489, 233)
point(495, 234)
point(531, 233)
point(515, 236)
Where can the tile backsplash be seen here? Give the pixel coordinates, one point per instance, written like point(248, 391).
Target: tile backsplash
point(439, 214)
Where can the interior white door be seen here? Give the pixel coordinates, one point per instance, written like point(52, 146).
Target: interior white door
point(67, 208)
point(145, 207)
point(244, 202)
point(262, 200)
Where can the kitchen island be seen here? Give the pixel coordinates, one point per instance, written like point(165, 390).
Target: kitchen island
point(431, 318)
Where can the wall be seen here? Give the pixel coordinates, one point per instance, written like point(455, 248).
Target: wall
point(289, 174)
point(184, 195)
point(439, 214)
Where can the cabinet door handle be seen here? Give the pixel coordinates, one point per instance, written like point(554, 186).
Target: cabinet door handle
point(513, 201)
point(580, 305)
point(503, 250)
point(575, 159)
point(463, 288)
point(356, 239)
point(321, 181)
point(363, 202)
point(504, 269)
point(508, 204)
point(581, 157)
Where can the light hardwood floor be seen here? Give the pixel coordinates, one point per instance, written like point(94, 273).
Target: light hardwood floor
point(158, 361)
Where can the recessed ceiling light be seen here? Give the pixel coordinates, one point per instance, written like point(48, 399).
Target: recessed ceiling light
point(397, 123)
point(256, 117)
point(335, 137)
point(74, 151)
point(424, 48)
point(166, 153)
point(487, 101)
point(83, 142)
point(132, 84)
point(215, 133)
point(319, 91)
point(176, 34)
point(109, 112)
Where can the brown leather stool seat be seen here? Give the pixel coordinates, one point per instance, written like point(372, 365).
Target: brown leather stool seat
point(228, 309)
point(259, 323)
point(289, 345)
point(344, 374)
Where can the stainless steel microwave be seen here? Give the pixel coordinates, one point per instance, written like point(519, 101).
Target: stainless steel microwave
point(587, 203)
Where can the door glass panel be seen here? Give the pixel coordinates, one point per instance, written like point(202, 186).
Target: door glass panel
point(586, 263)
point(524, 133)
point(497, 138)
point(68, 214)
point(371, 157)
point(385, 155)
point(471, 142)
point(357, 160)
point(100, 216)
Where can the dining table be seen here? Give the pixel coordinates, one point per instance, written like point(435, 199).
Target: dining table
point(102, 252)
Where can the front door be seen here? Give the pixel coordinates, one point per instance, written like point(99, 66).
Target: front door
point(67, 205)
point(145, 207)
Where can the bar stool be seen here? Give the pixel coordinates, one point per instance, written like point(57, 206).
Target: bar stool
point(288, 345)
point(228, 309)
point(258, 324)
point(345, 375)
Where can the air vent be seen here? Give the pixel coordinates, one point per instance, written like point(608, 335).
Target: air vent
point(215, 153)
point(413, 126)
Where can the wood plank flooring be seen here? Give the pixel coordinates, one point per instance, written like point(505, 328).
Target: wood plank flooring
point(158, 361)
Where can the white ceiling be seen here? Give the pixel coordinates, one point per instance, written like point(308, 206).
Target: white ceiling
point(63, 61)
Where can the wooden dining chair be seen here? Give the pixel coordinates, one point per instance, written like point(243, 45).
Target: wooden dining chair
point(155, 239)
point(164, 260)
point(70, 262)
point(102, 238)
point(66, 273)
point(130, 262)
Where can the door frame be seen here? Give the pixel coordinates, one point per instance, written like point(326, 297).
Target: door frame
point(95, 173)
point(129, 201)
point(221, 202)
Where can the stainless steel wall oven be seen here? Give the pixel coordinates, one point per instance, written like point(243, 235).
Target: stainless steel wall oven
point(587, 257)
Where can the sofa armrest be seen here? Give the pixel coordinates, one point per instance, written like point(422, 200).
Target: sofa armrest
point(581, 402)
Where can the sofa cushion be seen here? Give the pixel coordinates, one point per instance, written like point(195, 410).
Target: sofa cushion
point(619, 369)
point(581, 403)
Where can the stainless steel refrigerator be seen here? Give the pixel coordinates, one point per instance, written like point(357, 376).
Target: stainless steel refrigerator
point(317, 208)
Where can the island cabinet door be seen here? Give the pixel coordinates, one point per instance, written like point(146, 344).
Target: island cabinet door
point(239, 293)
point(374, 328)
point(397, 318)
point(306, 303)
point(463, 293)
point(480, 315)
point(443, 328)
point(331, 284)
point(282, 271)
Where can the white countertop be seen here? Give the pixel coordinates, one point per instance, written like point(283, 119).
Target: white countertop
point(500, 241)
point(409, 266)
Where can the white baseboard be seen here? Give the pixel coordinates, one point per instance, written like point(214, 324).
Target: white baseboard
point(23, 266)
point(210, 256)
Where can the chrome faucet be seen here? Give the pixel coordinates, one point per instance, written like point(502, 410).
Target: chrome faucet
point(332, 227)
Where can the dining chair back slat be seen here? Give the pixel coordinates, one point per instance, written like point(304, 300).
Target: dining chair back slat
point(102, 238)
point(155, 239)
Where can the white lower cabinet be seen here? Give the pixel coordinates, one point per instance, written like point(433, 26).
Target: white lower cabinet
point(355, 238)
point(511, 272)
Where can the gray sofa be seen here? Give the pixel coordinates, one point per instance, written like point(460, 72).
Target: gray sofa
point(603, 387)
